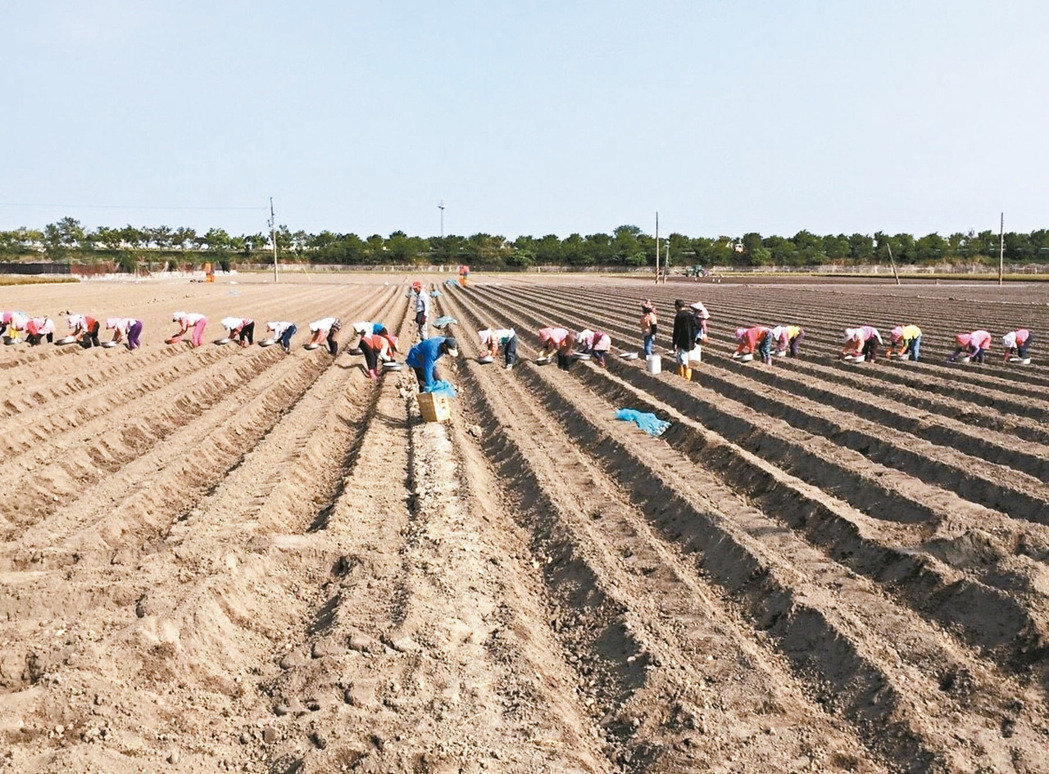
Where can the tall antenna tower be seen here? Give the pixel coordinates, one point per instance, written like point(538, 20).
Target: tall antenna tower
point(441, 208)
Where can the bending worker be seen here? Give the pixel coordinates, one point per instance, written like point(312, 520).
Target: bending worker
point(186, 321)
point(973, 344)
point(596, 344)
point(423, 358)
point(861, 341)
point(125, 327)
point(84, 329)
point(493, 340)
point(906, 342)
point(376, 347)
point(240, 328)
point(325, 330)
point(756, 340)
point(282, 331)
point(786, 339)
point(1018, 341)
point(39, 328)
point(550, 340)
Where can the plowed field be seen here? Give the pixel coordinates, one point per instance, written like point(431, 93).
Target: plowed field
point(237, 559)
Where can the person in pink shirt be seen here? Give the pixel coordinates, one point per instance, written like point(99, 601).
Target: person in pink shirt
point(550, 339)
point(862, 341)
point(186, 321)
point(1017, 343)
point(756, 340)
point(973, 344)
point(39, 328)
point(596, 344)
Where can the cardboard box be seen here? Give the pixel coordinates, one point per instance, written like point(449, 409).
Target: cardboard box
point(435, 408)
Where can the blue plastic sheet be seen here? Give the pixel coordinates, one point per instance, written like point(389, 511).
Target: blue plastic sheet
point(444, 320)
point(441, 387)
point(647, 422)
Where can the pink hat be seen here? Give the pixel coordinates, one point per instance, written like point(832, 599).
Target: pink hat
point(896, 333)
point(740, 333)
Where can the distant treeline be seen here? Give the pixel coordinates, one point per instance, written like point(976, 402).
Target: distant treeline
point(134, 247)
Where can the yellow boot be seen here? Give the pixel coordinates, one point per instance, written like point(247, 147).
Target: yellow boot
point(684, 372)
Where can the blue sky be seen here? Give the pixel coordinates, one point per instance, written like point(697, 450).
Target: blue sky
point(527, 117)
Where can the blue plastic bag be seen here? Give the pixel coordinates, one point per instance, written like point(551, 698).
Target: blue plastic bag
point(650, 423)
point(443, 321)
point(441, 387)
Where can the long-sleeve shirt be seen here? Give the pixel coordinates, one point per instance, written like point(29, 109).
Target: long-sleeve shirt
point(122, 324)
point(422, 303)
point(40, 326)
point(424, 355)
point(552, 335)
point(278, 328)
point(323, 325)
point(980, 339)
point(684, 330)
point(594, 341)
point(495, 339)
point(750, 339)
point(362, 327)
point(870, 332)
point(649, 323)
point(234, 323)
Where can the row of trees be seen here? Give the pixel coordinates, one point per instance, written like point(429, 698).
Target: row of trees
point(625, 246)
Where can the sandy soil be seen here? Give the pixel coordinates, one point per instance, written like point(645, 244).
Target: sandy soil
point(237, 559)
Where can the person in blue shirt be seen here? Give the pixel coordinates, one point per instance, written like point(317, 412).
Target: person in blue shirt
point(423, 357)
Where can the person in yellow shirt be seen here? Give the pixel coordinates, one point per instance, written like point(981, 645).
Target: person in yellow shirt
point(906, 342)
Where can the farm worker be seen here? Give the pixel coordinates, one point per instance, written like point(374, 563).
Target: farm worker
point(240, 328)
point(649, 326)
point(684, 338)
point(550, 340)
point(423, 358)
point(125, 327)
point(14, 323)
point(282, 331)
point(326, 329)
point(702, 316)
point(564, 351)
point(871, 340)
point(906, 340)
point(85, 329)
point(5, 320)
point(506, 338)
point(37, 328)
point(975, 344)
point(421, 307)
point(1018, 340)
point(786, 338)
point(853, 342)
point(186, 321)
point(755, 340)
point(376, 347)
point(596, 344)
point(364, 326)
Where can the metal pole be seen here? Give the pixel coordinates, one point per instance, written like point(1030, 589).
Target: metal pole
point(273, 238)
point(441, 208)
point(1001, 249)
point(657, 247)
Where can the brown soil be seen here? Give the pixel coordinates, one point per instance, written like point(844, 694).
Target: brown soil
point(237, 559)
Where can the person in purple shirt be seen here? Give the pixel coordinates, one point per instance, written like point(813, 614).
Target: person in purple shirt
point(423, 357)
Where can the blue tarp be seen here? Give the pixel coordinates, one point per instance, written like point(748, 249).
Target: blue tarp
point(441, 387)
point(647, 422)
point(444, 320)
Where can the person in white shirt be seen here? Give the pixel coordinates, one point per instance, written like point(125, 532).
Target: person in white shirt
point(240, 328)
point(505, 338)
point(125, 327)
point(325, 330)
point(282, 332)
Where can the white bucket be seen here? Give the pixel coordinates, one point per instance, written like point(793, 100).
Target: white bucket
point(655, 364)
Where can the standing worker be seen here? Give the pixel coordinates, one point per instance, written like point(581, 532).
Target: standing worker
point(282, 331)
point(423, 358)
point(906, 342)
point(1018, 341)
point(240, 328)
point(325, 330)
point(421, 304)
point(84, 329)
point(186, 321)
point(649, 326)
point(597, 344)
point(684, 338)
point(125, 327)
point(504, 338)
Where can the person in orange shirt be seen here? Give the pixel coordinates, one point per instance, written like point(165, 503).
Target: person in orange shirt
point(376, 347)
point(756, 340)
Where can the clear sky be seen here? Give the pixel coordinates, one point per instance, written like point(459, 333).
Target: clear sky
point(527, 117)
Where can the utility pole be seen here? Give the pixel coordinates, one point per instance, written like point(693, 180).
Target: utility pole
point(657, 247)
point(892, 261)
point(1001, 249)
point(273, 238)
point(441, 208)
